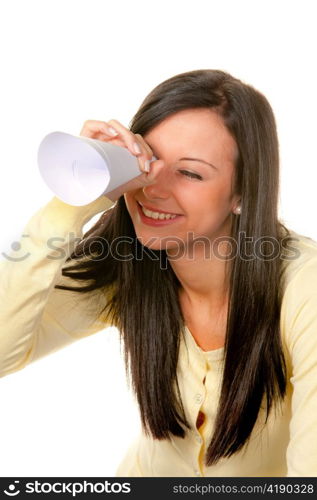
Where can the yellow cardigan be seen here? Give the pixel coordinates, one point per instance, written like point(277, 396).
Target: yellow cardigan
point(36, 319)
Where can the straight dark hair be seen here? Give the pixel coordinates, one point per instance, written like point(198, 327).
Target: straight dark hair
point(144, 300)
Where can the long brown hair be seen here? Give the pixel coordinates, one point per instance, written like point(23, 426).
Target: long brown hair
point(144, 303)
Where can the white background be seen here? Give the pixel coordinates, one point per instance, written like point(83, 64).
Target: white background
point(66, 61)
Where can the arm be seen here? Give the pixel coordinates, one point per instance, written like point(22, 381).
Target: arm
point(300, 326)
point(36, 318)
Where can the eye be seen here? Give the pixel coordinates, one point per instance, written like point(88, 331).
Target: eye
point(191, 174)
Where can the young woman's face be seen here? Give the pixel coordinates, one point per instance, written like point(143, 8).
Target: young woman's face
point(199, 192)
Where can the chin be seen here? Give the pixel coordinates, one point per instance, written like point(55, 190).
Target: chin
point(157, 243)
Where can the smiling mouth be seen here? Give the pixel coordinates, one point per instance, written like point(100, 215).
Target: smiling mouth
point(156, 215)
point(150, 209)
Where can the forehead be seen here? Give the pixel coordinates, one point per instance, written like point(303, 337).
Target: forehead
point(193, 131)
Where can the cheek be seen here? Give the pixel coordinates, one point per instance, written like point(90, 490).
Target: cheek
point(130, 202)
point(212, 199)
point(210, 208)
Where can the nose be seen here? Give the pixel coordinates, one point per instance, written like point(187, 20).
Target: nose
point(161, 186)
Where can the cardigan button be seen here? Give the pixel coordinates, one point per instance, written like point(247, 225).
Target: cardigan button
point(198, 398)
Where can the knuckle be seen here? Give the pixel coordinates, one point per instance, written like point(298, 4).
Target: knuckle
point(114, 122)
point(141, 167)
point(142, 141)
point(145, 146)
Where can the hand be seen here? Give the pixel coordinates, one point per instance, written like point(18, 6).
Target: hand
point(115, 133)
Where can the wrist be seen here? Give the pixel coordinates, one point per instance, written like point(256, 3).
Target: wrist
point(114, 195)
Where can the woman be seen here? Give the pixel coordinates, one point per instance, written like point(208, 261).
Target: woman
point(215, 300)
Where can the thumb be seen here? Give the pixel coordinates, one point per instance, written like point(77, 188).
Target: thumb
point(155, 168)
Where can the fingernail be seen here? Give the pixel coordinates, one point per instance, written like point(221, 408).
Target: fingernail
point(112, 131)
point(137, 148)
point(147, 165)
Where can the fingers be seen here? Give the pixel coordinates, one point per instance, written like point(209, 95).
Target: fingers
point(144, 146)
point(114, 132)
point(156, 167)
point(135, 143)
point(94, 128)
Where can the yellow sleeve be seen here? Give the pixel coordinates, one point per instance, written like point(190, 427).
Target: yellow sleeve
point(300, 327)
point(36, 318)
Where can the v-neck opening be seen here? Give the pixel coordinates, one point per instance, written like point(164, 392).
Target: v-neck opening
point(214, 354)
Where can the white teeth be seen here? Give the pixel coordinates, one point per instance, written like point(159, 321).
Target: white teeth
point(156, 215)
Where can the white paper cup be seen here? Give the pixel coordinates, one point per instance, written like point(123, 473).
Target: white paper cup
point(78, 170)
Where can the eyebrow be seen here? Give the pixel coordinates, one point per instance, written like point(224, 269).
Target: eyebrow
point(197, 159)
point(190, 159)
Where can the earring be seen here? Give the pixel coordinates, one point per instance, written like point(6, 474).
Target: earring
point(237, 210)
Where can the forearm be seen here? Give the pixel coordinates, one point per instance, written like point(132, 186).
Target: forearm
point(30, 308)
